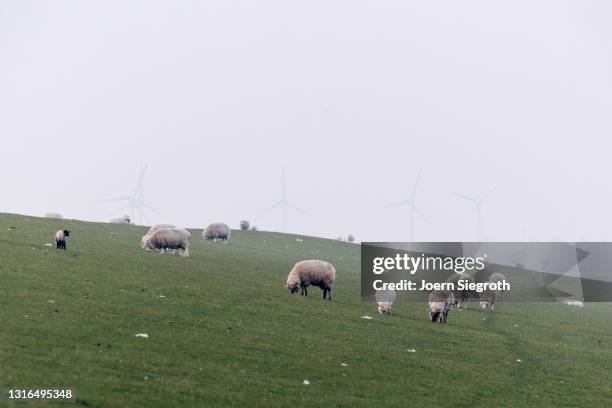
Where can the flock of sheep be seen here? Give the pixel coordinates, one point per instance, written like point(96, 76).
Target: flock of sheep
point(167, 238)
point(442, 301)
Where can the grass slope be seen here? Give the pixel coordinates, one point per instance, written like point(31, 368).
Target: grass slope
point(228, 334)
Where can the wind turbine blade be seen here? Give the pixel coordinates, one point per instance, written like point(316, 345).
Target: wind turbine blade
point(138, 188)
point(296, 208)
point(489, 193)
point(122, 198)
point(143, 215)
point(463, 196)
point(420, 214)
point(416, 185)
point(283, 184)
point(147, 206)
point(269, 209)
point(398, 204)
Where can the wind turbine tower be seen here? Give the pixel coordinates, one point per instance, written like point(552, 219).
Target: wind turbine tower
point(283, 203)
point(413, 208)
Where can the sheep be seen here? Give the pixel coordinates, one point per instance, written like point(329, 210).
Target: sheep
point(254, 228)
point(385, 300)
point(244, 225)
point(440, 303)
point(54, 215)
point(350, 238)
point(123, 220)
point(167, 239)
point(312, 272)
point(60, 239)
point(217, 231)
point(461, 296)
point(489, 297)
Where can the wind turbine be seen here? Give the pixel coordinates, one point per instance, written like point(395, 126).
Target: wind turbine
point(135, 201)
point(413, 208)
point(283, 202)
point(478, 202)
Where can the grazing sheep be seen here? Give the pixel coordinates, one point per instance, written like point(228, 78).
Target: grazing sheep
point(461, 296)
point(350, 238)
point(489, 297)
point(385, 300)
point(54, 215)
point(244, 225)
point(123, 220)
point(312, 272)
point(440, 303)
point(168, 239)
point(60, 239)
point(217, 231)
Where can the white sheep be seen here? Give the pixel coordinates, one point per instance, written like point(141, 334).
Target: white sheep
point(489, 297)
point(54, 215)
point(312, 272)
point(385, 300)
point(167, 239)
point(60, 239)
point(123, 220)
point(217, 231)
point(244, 225)
point(461, 296)
point(440, 303)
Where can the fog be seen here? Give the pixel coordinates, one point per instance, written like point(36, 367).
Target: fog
point(352, 98)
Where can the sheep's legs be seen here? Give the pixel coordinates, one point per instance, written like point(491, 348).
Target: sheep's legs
point(304, 291)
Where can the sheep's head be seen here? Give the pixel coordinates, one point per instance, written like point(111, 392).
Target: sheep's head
point(146, 244)
point(293, 286)
point(67, 233)
point(384, 308)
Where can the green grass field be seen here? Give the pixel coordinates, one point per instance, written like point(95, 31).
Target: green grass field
point(227, 332)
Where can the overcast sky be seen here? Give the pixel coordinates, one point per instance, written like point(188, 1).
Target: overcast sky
point(352, 98)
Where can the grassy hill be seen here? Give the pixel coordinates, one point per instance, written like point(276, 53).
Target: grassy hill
point(223, 330)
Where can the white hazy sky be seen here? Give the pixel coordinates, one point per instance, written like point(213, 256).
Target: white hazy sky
point(353, 98)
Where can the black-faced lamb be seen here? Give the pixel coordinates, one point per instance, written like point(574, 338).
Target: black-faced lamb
point(60, 239)
point(168, 239)
point(244, 225)
point(461, 295)
point(440, 303)
point(488, 297)
point(312, 272)
point(217, 231)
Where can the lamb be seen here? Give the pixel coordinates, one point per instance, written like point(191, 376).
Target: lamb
point(217, 231)
point(440, 303)
point(461, 296)
point(123, 220)
point(312, 272)
point(54, 215)
point(60, 239)
point(167, 239)
point(244, 225)
point(385, 300)
point(489, 297)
